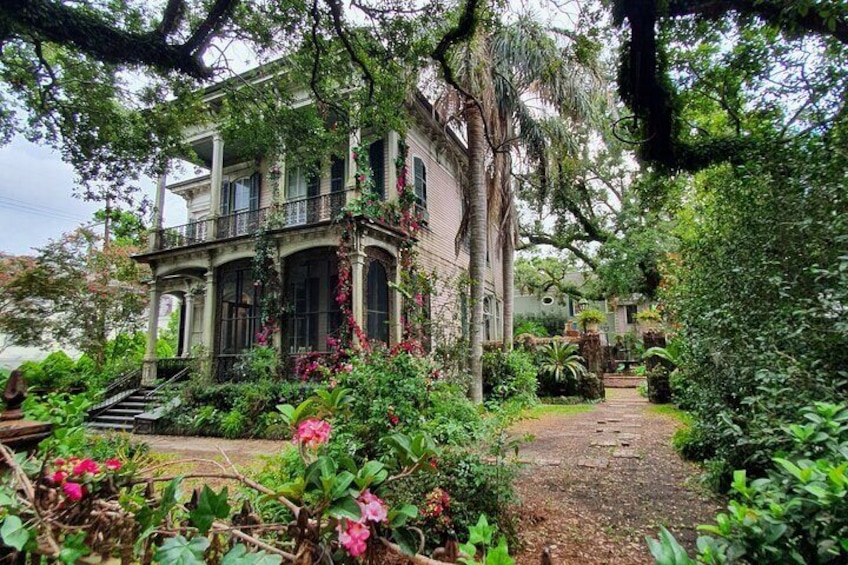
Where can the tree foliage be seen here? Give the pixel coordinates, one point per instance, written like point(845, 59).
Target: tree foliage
point(77, 293)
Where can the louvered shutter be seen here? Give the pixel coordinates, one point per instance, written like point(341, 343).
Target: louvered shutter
point(376, 160)
point(255, 185)
point(226, 197)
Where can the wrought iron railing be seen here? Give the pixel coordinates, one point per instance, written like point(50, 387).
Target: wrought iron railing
point(179, 376)
point(314, 209)
point(121, 387)
point(241, 223)
point(300, 212)
point(181, 236)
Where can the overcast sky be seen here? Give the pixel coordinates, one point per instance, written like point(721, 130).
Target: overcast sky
point(37, 202)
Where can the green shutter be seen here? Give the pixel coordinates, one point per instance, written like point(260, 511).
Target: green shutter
point(255, 185)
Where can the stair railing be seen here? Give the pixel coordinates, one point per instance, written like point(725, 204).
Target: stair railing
point(177, 377)
point(117, 390)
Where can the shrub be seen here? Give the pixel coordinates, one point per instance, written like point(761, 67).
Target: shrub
point(509, 376)
point(553, 324)
point(531, 327)
point(659, 389)
point(796, 514)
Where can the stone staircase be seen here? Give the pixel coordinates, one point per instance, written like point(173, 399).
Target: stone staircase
point(120, 416)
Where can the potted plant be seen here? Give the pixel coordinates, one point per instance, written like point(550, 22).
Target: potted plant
point(590, 319)
point(649, 318)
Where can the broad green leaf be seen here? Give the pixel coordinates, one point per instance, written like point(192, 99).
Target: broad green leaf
point(481, 533)
point(13, 533)
point(180, 551)
point(407, 539)
point(239, 555)
point(346, 508)
point(499, 555)
point(210, 506)
point(341, 485)
point(399, 515)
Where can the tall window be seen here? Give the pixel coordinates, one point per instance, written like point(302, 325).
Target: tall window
point(378, 167)
point(303, 330)
point(302, 183)
point(377, 299)
point(240, 195)
point(239, 308)
point(631, 313)
point(337, 174)
point(420, 176)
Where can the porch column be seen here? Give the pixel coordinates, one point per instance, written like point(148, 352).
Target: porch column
point(353, 143)
point(280, 194)
point(188, 323)
point(158, 212)
point(217, 179)
point(148, 369)
point(357, 261)
point(209, 313)
point(397, 309)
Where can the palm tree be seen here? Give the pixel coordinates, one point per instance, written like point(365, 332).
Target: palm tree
point(502, 72)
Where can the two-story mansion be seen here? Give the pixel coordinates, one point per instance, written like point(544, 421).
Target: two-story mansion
point(206, 262)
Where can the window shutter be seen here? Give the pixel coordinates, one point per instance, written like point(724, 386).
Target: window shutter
point(337, 180)
point(255, 185)
point(313, 183)
point(418, 165)
point(377, 162)
point(226, 197)
point(424, 179)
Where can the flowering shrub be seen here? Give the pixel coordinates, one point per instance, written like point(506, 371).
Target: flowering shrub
point(312, 433)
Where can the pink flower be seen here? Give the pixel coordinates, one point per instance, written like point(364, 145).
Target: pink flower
point(112, 464)
point(73, 491)
point(312, 432)
point(59, 462)
point(419, 299)
point(86, 466)
point(58, 477)
point(372, 507)
point(347, 368)
point(353, 539)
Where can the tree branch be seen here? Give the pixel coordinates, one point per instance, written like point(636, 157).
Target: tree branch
point(91, 33)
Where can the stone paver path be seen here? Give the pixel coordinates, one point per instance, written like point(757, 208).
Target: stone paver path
point(597, 482)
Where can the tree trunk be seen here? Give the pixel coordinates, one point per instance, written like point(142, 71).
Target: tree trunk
point(508, 279)
point(479, 240)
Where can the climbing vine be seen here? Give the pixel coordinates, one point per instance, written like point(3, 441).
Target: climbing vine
point(266, 276)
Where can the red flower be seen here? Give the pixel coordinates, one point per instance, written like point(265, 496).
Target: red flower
point(86, 466)
point(58, 477)
point(73, 491)
point(112, 464)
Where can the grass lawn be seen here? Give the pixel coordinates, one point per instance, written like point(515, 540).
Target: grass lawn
point(557, 410)
point(671, 411)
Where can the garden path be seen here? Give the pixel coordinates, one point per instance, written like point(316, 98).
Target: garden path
point(599, 480)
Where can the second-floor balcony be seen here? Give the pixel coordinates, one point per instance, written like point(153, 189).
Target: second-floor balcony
point(301, 212)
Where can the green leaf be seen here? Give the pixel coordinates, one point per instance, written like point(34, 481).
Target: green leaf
point(407, 539)
point(399, 515)
point(180, 551)
point(341, 485)
point(210, 506)
point(346, 508)
point(13, 533)
point(74, 548)
point(287, 411)
point(481, 533)
point(292, 489)
point(499, 555)
point(239, 555)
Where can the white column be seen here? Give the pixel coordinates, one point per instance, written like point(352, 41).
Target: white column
point(397, 309)
point(209, 313)
point(353, 143)
point(216, 180)
point(357, 261)
point(148, 370)
point(158, 211)
point(188, 323)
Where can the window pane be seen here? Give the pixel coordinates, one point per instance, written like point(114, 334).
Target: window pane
point(241, 195)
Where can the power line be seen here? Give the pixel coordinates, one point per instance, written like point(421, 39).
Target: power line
point(38, 209)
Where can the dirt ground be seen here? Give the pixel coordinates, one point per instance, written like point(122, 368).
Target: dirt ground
point(596, 482)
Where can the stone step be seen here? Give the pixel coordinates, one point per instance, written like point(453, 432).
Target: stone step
point(123, 411)
point(117, 419)
point(110, 426)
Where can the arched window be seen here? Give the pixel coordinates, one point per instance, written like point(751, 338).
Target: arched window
point(377, 300)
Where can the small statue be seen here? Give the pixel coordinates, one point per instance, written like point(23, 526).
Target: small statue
point(14, 396)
